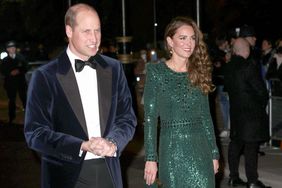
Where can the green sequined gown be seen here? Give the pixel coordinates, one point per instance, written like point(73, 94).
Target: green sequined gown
point(187, 143)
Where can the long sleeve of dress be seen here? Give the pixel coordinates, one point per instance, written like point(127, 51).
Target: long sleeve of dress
point(151, 115)
point(209, 128)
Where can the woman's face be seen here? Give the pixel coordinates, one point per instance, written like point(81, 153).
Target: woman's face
point(183, 42)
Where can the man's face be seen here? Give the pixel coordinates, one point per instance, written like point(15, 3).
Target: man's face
point(85, 36)
point(11, 50)
point(251, 40)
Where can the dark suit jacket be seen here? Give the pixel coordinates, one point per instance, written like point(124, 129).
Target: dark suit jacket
point(55, 125)
point(248, 98)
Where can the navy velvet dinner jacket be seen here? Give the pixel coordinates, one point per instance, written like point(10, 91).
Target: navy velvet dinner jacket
point(55, 124)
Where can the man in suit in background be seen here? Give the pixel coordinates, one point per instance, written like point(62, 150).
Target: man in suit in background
point(79, 112)
point(248, 98)
point(13, 68)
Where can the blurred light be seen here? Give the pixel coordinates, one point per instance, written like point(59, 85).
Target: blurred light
point(237, 30)
point(3, 55)
point(155, 24)
point(154, 56)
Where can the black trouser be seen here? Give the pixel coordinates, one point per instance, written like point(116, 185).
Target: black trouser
point(94, 174)
point(12, 91)
point(250, 151)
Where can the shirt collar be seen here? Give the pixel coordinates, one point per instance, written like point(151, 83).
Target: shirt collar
point(72, 57)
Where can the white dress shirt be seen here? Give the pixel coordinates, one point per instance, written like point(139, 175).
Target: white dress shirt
point(87, 85)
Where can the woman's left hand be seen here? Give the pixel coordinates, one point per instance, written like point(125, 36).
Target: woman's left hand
point(150, 172)
point(215, 166)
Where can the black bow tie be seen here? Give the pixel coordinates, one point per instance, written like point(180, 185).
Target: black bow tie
point(79, 64)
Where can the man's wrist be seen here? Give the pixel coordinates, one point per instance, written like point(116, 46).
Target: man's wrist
point(114, 145)
point(82, 148)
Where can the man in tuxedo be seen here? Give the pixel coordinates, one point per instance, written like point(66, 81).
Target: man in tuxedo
point(79, 112)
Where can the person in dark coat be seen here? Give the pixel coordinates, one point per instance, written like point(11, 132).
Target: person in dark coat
point(274, 73)
point(14, 67)
point(275, 68)
point(79, 113)
point(249, 122)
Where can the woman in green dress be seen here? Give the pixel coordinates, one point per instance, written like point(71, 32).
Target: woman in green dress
point(176, 94)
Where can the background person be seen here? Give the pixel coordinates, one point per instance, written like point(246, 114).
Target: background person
point(78, 117)
point(221, 56)
point(176, 92)
point(266, 57)
point(248, 98)
point(14, 67)
point(248, 33)
point(275, 69)
point(274, 73)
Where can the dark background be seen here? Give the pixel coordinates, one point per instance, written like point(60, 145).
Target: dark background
point(41, 21)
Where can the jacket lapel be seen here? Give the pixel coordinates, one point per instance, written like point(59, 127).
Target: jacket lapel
point(69, 85)
point(104, 79)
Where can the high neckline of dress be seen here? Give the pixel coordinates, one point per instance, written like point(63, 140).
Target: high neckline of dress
point(173, 71)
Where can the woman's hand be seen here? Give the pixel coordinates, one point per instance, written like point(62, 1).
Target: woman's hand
point(150, 172)
point(215, 166)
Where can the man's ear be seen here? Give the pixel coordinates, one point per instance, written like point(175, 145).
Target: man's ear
point(68, 31)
